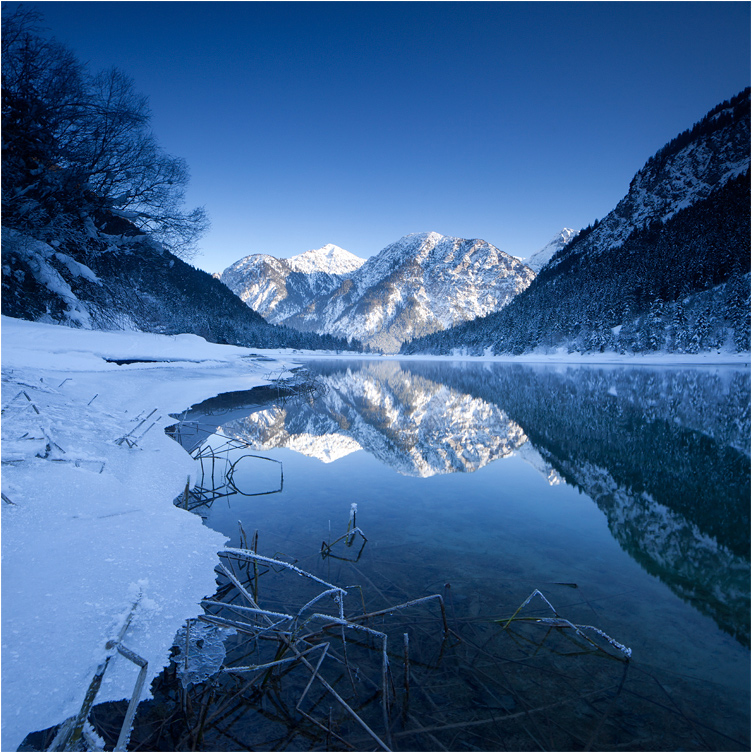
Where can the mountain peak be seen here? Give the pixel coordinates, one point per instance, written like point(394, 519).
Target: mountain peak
point(329, 258)
point(431, 235)
point(540, 258)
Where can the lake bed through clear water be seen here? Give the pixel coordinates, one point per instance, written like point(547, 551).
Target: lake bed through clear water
point(620, 493)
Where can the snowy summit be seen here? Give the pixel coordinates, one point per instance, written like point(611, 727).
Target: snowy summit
point(539, 259)
point(330, 259)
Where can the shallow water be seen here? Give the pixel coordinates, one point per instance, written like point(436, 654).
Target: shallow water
point(622, 494)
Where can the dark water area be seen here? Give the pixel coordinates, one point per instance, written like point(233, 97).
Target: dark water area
point(622, 494)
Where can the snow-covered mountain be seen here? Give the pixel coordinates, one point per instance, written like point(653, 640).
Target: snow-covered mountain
point(539, 259)
point(329, 259)
point(129, 282)
point(279, 289)
point(423, 283)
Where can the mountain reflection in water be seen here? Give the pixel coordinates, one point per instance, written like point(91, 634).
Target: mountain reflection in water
point(663, 452)
point(415, 425)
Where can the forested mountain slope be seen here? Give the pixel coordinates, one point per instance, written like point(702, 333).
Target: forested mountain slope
point(667, 269)
point(129, 283)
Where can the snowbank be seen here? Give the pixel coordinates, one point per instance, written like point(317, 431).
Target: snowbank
point(87, 521)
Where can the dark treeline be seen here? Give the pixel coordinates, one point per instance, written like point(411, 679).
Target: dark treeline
point(680, 286)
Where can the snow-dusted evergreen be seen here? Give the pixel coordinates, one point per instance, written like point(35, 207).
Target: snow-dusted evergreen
point(667, 269)
point(423, 283)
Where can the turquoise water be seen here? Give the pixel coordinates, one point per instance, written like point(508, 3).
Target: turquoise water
point(622, 494)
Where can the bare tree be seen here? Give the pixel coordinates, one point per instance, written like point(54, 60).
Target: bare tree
point(77, 148)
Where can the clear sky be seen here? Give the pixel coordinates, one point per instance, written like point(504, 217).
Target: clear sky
point(308, 123)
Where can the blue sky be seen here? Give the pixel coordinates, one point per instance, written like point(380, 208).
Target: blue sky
point(357, 123)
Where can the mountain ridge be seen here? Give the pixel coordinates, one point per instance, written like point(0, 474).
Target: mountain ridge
point(421, 283)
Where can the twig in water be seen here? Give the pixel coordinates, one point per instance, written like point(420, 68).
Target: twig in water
point(558, 621)
point(348, 537)
point(406, 638)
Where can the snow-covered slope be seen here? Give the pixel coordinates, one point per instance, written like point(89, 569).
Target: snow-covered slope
point(422, 283)
point(88, 521)
point(539, 259)
point(687, 170)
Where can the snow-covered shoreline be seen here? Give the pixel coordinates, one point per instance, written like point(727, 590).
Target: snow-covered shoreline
point(89, 522)
point(707, 358)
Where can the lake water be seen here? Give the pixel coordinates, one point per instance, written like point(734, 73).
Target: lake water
point(621, 493)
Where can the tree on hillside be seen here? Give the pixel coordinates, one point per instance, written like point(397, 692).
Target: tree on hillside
point(77, 148)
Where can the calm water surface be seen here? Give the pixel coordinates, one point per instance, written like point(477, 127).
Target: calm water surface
point(622, 494)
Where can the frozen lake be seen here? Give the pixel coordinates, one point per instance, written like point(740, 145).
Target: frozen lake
point(621, 493)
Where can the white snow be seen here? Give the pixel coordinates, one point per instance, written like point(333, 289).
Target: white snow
point(539, 259)
point(88, 522)
point(330, 259)
point(37, 254)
